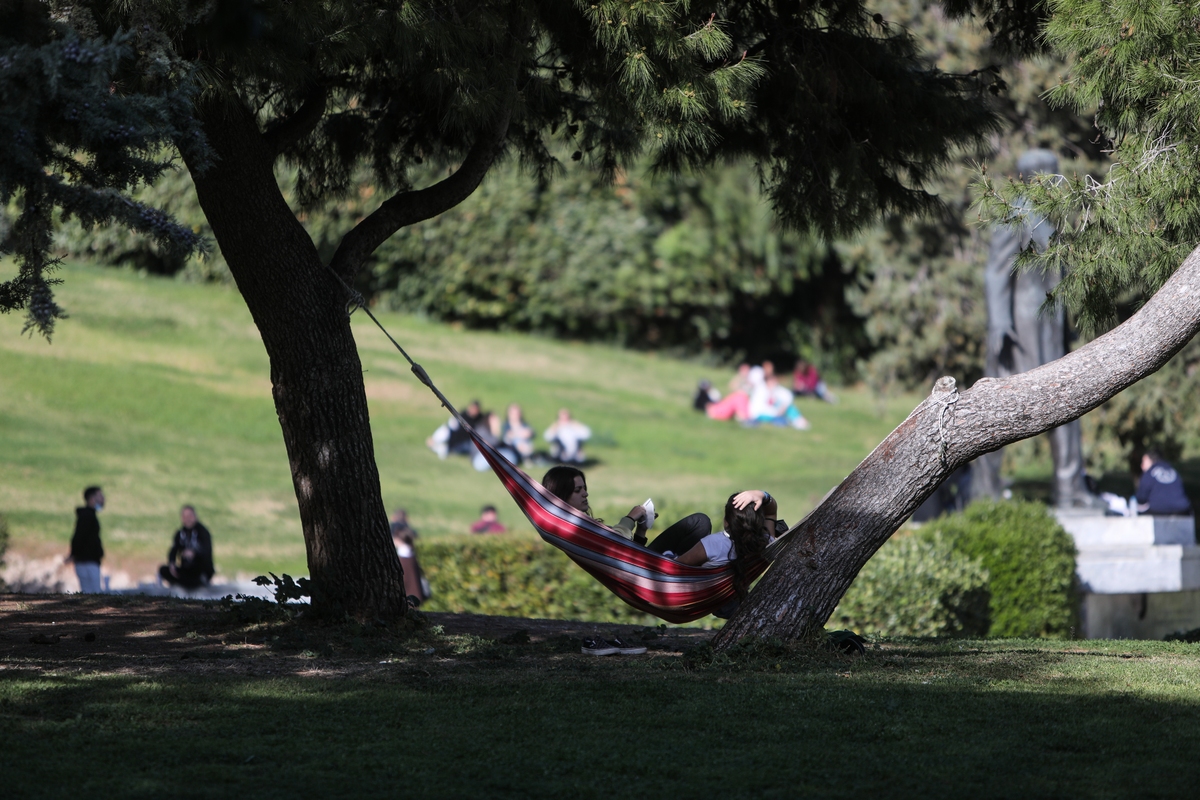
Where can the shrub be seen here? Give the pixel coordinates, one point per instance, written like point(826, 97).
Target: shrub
point(1031, 563)
point(515, 575)
point(918, 586)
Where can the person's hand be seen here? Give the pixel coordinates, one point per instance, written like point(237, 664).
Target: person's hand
point(637, 513)
point(749, 497)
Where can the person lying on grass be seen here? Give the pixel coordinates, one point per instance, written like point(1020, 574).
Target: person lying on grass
point(750, 524)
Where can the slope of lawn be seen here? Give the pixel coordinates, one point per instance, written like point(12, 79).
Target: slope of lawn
point(159, 391)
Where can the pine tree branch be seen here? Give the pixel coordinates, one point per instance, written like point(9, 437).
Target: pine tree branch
point(407, 208)
point(283, 132)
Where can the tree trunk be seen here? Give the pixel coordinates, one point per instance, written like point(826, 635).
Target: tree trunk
point(300, 310)
point(948, 429)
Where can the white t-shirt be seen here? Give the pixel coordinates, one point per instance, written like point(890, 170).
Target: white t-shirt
point(718, 549)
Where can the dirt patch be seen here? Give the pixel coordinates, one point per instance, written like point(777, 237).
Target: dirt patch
point(155, 636)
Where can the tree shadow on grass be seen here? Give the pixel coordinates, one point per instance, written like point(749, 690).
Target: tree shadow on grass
point(949, 719)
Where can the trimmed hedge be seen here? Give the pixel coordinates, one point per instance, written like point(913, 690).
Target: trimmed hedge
point(1000, 569)
point(918, 585)
point(517, 576)
point(1031, 563)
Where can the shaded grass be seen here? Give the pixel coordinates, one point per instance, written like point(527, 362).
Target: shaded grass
point(160, 392)
point(480, 719)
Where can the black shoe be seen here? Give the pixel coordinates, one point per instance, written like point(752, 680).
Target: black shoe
point(599, 647)
point(625, 648)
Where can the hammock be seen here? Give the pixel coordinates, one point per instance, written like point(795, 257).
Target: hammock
point(644, 579)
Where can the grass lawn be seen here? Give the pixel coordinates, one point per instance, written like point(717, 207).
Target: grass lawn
point(175, 700)
point(159, 391)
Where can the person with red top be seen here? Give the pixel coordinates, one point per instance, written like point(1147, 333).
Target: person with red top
point(488, 522)
point(806, 382)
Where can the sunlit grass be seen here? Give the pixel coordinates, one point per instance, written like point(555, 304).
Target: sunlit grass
point(159, 391)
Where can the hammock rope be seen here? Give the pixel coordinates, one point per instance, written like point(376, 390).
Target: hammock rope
point(643, 578)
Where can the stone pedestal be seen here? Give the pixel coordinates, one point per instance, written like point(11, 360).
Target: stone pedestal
point(1140, 575)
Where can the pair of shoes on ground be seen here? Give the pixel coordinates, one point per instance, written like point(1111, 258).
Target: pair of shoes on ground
point(610, 647)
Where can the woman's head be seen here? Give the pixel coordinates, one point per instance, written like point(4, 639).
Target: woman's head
point(514, 413)
point(745, 527)
point(747, 520)
point(569, 485)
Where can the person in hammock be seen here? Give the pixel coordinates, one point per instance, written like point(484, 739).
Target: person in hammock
point(750, 524)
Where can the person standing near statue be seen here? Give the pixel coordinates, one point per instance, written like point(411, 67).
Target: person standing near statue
point(1022, 335)
point(86, 549)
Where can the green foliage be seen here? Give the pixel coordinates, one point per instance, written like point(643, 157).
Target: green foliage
point(1161, 412)
point(73, 142)
point(693, 264)
point(1030, 562)
point(920, 282)
point(685, 263)
point(918, 586)
point(516, 576)
point(1121, 237)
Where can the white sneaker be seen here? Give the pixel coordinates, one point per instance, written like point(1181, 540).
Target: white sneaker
point(800, 424)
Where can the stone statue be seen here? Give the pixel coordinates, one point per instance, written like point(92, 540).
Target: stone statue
point(1021, 337)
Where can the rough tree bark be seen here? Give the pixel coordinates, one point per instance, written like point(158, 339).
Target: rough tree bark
point(947, 430)
point(316, 375)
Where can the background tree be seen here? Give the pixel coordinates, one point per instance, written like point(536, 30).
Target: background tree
point(838, 110)
point(76, 144)
point(691, 264)
point(1128, 235)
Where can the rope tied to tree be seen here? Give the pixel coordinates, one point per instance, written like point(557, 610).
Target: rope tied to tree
point(357, 301)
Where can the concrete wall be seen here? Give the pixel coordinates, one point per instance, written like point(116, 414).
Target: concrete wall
point(1151, 615)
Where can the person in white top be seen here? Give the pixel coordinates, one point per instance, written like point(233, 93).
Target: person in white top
point(772, 403)
point(566, 437)
point(749, 527)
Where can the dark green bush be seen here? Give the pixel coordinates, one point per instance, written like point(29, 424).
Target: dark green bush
point(917, 586)
point(1031, 563)
point(516, 575)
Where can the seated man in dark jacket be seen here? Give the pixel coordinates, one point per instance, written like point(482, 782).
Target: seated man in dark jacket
point(1160, 491)
point(189, 562)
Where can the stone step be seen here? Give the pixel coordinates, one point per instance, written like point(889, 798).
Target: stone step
point(1133, 570)
point(1091, 531)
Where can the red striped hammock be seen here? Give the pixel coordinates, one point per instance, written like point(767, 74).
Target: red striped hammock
point(644, 579)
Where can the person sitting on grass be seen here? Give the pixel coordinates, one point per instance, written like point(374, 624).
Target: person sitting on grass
point(806, 382)
point(517, 434)
point(772, 404)
point(736, 404)
point(566, 437)
point(488, 522)
point(189, 562)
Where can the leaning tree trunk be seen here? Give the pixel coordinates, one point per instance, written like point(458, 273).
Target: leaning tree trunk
point(300, 311)
point(947, 430)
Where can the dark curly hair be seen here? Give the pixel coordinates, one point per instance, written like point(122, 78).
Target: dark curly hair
point(745, 528)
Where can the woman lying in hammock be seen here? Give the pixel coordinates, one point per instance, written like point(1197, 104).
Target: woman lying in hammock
point(750, 523)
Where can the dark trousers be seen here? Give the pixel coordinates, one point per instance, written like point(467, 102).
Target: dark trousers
point(188, 578)
point(683, 535)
